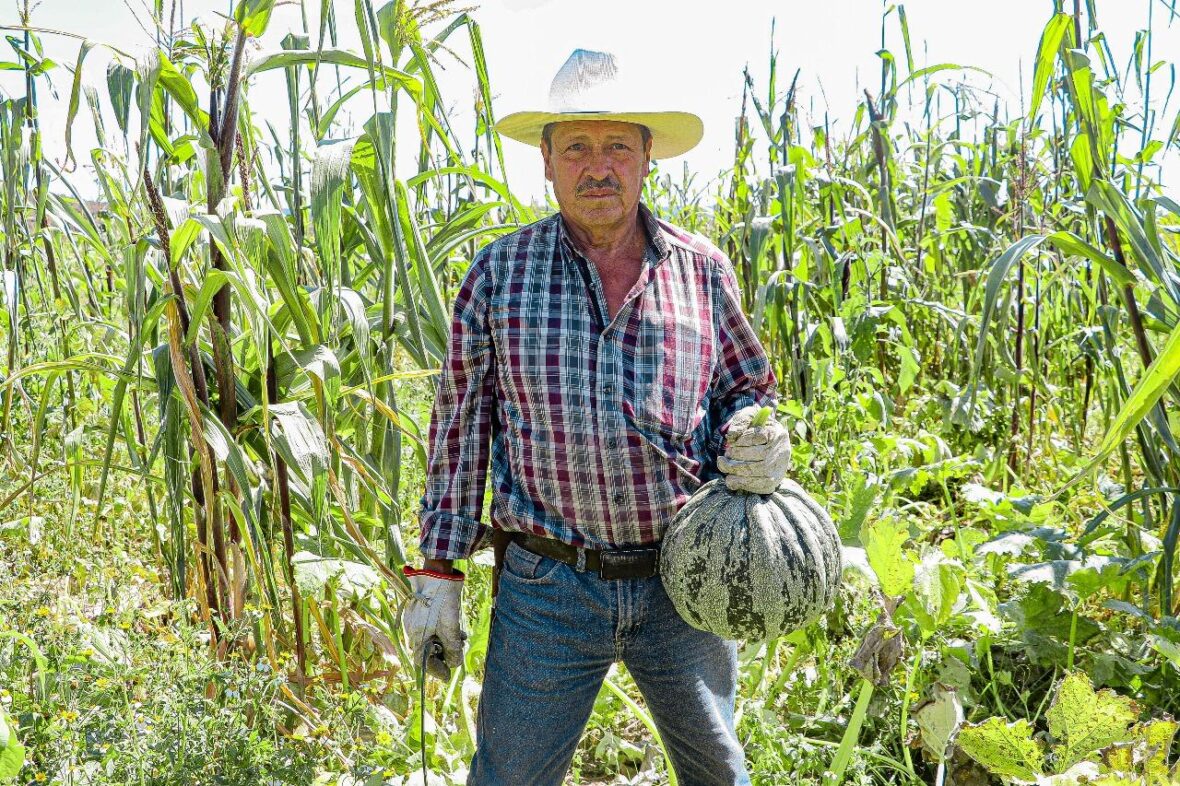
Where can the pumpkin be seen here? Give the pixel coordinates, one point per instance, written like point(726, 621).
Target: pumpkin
point(750, 566)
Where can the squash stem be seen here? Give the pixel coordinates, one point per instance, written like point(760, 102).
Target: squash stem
point(905, 709)
point(835, 775)
point(760, 417)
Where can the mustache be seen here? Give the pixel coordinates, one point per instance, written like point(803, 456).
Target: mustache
point(590, 184)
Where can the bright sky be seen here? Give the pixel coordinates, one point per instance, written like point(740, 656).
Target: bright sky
point(693, 53)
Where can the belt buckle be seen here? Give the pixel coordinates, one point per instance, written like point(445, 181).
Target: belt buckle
point(630, 563)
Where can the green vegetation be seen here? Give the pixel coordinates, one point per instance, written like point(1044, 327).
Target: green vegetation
point(217, 379)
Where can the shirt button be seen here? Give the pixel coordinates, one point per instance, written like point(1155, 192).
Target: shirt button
point(612, 443)
point(619, 498)
point(608, 388)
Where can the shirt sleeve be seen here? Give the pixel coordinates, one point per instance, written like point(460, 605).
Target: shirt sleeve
point(461, 425)
point(743, 374)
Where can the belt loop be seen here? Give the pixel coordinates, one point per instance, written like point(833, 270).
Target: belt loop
point(581, 566)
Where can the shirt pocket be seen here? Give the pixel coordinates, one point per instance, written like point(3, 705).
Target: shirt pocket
point(542, 364)
point(673, 367)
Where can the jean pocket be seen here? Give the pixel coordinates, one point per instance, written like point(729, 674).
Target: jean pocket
point(523, 565)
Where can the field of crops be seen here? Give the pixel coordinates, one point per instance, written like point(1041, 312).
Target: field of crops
point(217, 377)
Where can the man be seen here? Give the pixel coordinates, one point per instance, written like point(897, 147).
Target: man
point(598, 361)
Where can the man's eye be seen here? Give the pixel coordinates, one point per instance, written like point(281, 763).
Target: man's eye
point(576, 147)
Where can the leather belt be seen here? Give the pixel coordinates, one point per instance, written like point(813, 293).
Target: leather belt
point(632, 562)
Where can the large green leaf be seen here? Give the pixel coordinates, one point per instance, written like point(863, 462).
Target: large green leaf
point(1146, 248)
point(1151, 387)
point(1051, 37)
point(340, 57)
point(1083, 721)
point(120, 82)
point(180, 89)
point(226, 449)
point(1006, 749)
point(937, 584)
point(253, 16)
point(1069, 243)
point(330, 170)
point(884, 542)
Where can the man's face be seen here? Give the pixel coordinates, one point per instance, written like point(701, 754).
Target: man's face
point(597, 169)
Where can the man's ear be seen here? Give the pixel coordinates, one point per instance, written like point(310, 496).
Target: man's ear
point(545, 157)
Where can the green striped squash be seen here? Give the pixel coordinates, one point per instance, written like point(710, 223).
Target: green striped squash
point(748, 566)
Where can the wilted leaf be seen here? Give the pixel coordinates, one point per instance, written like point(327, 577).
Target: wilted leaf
point(299, 439)
point(879, 651)
point(1084, 722)
point(1006, 749)
point(1114, 780)
point(318, 360)
point(1119, 757)
point(938, 719)
point(1080, 773)
point(380, 640)
point(313, 572)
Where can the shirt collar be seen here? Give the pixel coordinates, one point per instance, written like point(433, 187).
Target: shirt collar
point(658, 248)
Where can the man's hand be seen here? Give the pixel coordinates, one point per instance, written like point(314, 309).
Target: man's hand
point(757, 452)
point(432, 618)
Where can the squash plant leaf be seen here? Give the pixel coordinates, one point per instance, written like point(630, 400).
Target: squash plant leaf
point(1159, 735)
point(1084, 721)
point(1005, 749)
point(937, 584)
point(883, 541)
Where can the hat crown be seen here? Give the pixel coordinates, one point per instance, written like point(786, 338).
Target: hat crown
point(594, 85)
point(587, 82)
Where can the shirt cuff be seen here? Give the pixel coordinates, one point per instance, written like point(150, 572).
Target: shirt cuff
point(408, 571)
point(447, 535)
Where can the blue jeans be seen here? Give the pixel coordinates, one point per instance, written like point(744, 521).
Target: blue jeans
point(555, 634)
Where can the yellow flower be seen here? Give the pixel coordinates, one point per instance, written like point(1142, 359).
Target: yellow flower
point(69, 716)
point(40, 777)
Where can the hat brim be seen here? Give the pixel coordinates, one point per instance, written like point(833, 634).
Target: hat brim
point(672, 133)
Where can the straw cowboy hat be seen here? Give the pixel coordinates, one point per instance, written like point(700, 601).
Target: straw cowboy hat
point(591, 86)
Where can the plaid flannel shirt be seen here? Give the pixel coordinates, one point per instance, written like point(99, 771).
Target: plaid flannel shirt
point(597, 429)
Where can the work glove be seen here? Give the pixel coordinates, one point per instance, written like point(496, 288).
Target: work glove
point(757, 452)
point(433, 622)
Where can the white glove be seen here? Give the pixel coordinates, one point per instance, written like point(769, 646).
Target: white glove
point(432, 620)
point(756, 457)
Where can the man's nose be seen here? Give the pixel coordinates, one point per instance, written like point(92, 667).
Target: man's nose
point(599, 161)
